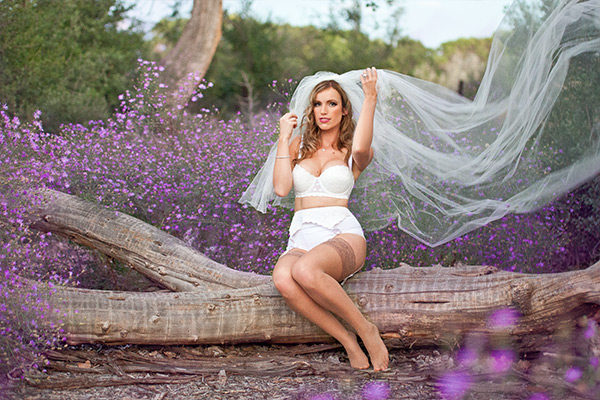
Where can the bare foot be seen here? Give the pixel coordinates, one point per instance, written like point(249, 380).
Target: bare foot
point(358, 358)
point(376, 348)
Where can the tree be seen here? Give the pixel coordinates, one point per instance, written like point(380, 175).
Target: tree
point(195, 49)
point(70, 59)
point(460, 62)
point(214, 304)
point(247, 61)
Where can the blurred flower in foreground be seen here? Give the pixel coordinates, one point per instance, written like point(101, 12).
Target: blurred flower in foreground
point(573, 374)
point(454, 385)
point(591, 330)
point(376, 391)
point(467, 357)
point(502, 360)
point(504, 318)
point(595, 362)
point(539, 396)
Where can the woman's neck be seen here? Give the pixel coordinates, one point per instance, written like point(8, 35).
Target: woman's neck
point(329, 138)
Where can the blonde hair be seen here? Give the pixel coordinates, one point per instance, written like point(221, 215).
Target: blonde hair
point(312, 133)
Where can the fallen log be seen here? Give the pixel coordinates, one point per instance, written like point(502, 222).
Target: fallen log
point(411, 306)
point(161, 257)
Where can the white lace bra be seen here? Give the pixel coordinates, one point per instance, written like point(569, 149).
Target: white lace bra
point(336, 181)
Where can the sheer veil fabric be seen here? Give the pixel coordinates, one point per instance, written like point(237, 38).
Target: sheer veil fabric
point(445, 165)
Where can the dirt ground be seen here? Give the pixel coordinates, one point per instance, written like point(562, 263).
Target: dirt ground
point(298, 372)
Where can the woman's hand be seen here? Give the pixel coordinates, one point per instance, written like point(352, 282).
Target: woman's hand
point(362, 153)
point(282, 170)
point(369, 82)
point(287, 123)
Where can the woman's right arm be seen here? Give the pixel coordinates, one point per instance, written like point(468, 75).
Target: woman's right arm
point(282, 171)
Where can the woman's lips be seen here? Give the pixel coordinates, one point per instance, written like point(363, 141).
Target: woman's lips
point(324, 120)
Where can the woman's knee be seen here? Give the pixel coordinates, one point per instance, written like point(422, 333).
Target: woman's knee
point(283, 281)
point(305, 274)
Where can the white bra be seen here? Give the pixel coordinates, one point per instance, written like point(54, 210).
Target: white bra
point(336, 181)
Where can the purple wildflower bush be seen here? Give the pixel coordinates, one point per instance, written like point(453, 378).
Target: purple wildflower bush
point(184, 171)
point(24, 161)
point(574, 354)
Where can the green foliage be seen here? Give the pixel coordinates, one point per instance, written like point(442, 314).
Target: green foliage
point(70, 59)
point(252, 54)
point(480, 47)
point(166, 32)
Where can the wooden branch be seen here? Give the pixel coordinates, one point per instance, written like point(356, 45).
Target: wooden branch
point(412, 306)
point(84, 368)
point(161, 257)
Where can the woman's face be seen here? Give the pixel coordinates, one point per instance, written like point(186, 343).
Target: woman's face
point(328, 109)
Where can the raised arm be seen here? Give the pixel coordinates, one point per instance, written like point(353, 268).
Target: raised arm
point(363, 135)
point(282, 171)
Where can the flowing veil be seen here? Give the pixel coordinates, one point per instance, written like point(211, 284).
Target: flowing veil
point(445, 165)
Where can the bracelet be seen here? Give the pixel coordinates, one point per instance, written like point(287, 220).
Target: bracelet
point(281, 157)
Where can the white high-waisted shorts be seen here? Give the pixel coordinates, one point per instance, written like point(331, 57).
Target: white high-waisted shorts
point(313, 226)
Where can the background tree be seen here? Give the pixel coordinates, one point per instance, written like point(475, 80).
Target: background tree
point(195, 48)
point(69, 59)
point(458, 65)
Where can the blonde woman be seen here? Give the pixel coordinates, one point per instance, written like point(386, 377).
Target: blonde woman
point(326, 243)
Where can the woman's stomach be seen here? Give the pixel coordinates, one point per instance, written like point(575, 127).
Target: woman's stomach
point(304, 203)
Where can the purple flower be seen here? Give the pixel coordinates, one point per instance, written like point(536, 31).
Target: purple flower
point(502, 360)
point(467, 357)
point(573, 374)
point(591, 330)
point(504, 318)
point(539, 396)
point(376, 391)
point(454, 385)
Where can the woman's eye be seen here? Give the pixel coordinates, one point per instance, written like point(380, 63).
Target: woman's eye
point(317, 104)
point(333, 104)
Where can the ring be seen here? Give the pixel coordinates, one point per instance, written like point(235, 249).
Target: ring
point(364, 75)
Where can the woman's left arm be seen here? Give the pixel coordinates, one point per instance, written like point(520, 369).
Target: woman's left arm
point(362, 152)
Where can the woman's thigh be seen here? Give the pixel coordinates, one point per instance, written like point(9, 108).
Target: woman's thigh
point(284, 265)
point(338, 257)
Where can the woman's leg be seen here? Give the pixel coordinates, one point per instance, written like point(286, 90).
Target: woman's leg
point(316, 275)
point(302, 303)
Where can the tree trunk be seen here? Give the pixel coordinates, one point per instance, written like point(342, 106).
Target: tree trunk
point(159, 256)
point(414, 306)
point(194, 50)
point(411, 306)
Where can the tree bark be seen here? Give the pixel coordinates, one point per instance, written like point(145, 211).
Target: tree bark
point(411, 306)
point(159, 256)
point(194, 50)
point(414, 306)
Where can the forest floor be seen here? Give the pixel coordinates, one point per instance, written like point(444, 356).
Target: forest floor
point(276, 372)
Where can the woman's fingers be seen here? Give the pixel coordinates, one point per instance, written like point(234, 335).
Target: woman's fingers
point(289, 118)
point(369, 80)
point(287, 123)
point(369, 74)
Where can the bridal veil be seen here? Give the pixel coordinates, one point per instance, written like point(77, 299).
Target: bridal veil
point(445, 165)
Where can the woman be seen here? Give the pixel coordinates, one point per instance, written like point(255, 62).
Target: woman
point(443, 165)
point(326, 243)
